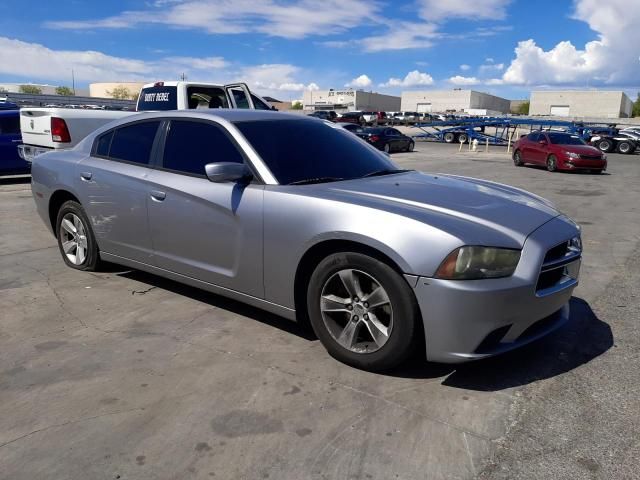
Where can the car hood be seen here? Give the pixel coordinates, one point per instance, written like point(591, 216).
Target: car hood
point(439, 199)
point(580, 149)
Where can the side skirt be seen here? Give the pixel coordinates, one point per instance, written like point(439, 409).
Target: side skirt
point(285, 312)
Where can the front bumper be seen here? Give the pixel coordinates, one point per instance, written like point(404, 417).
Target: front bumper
point(474, 319)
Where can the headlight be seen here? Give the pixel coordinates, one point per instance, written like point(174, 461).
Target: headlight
point(575, 244)
point(572, 155)
point(472, 263)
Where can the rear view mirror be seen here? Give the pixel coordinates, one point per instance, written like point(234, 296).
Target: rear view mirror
point(220, 172)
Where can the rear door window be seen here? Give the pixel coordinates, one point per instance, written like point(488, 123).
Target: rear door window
point(158, 98)
point(102, 144)
point(133, 143)
point(190, 145)
point(259, 104)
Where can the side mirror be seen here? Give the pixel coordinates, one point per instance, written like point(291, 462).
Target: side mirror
point(220, 172)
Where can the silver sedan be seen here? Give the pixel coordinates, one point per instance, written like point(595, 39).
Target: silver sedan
point(309, 222)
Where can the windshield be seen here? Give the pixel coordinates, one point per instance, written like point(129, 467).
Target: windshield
point(564, 139)
point(298, 150)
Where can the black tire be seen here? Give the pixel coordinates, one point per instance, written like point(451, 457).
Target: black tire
point(626, 148)
point(552, 163)
point(517, 159)
point(402, 338)
point(387, 148)
point(449, 137)
point(91, 261)
point(605, 145)
point(463, 138)
point(411, 146)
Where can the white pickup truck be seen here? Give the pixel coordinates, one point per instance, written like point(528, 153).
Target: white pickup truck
point(44, 128)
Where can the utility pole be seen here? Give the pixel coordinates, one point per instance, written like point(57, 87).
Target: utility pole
point(183, 77)
point(73, 82)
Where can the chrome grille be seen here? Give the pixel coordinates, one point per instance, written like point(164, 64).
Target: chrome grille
point(559, 269)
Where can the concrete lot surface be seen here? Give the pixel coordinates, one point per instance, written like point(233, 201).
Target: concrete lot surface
point(124, 375)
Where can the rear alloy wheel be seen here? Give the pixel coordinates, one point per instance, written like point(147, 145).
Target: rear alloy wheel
point(517, 158)
point(552, 163)
point(625, 147)
point(387, 148)
point(363, 311)
point(449, 137)
point(76, 241)
point(410, 146)
point(605, 145)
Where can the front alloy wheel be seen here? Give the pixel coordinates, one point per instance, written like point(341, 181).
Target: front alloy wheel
point(363, 311)
point(517, 158)
point(552, 163)
point(356, 311)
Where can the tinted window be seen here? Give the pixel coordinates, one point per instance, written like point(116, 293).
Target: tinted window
point(133, 143)
point(103, 144)
point(206, 97)
point(534, 136)
point(158, 98)
point(240, 98)
point(191, 145)
point(9, 125)
point(565, 139)
point(259, 104)
point(296, 150)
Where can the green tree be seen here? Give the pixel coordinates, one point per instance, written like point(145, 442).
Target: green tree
point(32, 89)
point(120, 93)
point(296, 106)
point(523, 108)
point(636, 107)
point(65, 91)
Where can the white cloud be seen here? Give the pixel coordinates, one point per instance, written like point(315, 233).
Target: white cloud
point(460, 80)
point(296, 19)
point(412, 79)
point(437, 10)
point(362, 81)
point(611, 59)
point(402, 36)
point(38, 62)
point(464, 67)
point(491, 67)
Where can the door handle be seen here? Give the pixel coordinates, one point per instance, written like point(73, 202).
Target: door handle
point(158, 196)
point(86, 176)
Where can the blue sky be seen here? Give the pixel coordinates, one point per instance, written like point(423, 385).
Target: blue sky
point(281, 47)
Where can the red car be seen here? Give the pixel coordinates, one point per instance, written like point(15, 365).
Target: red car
point(558, 151)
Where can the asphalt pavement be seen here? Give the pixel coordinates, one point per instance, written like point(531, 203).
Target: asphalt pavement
point(124, 375)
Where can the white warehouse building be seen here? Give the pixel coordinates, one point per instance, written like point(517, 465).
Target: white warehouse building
point(458, 100)
point(581, 103)
point(349, 100)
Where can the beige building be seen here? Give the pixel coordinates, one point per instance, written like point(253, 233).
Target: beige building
point(458, 100)
point(349, 100)
point(103, 90)
point(581, 103)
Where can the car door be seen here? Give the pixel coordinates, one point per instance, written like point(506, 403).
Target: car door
point(402, 140)
point(541, 149)
point(239, 95)
point(392, 138)
point(112, 184)
point(204, 230)
point(10, 138)
point(527, 146)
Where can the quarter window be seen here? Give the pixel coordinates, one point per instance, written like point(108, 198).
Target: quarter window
point(133, 143)
point(103, 144)
point(191, 145)
point(9, 125)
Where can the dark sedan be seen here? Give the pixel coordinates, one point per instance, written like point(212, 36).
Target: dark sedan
point(387, 139)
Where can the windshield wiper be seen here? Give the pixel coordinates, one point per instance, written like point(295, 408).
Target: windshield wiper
point(308, 181)
point(387, 171)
